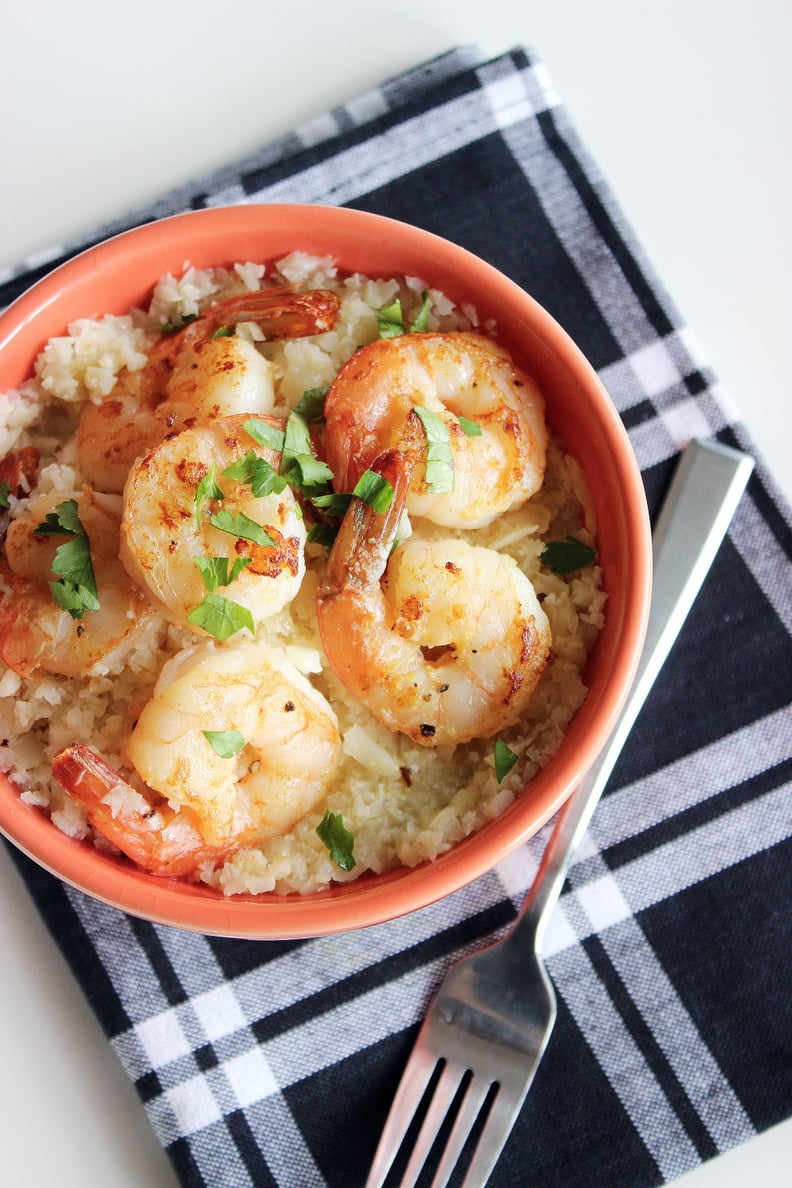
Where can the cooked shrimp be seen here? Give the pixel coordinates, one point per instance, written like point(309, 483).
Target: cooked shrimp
point(166, 528)
point(37, 637)
point(197, 807)
point(498, 462)
point(442, 641)
point(191, 377)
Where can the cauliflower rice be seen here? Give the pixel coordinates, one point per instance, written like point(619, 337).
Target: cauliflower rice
point(404, 803)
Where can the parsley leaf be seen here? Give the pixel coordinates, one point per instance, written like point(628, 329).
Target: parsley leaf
point(214, 570)
point(311, 405)
point(469, 428)
point(223, 332)
point(322, 534)
point(221, 617)
point(567, 555)
point(302, 471)
point(505, 760)
point(421, 322)
point(175, 327)
point(242, 526)
point(371, 487)
point(5, 491)
point(206, 490)
point(263, 434)
point(75, 591)
point(257, 473)
point(439, 473)
point(225, 743)
point(390, 320)
point(338, 840)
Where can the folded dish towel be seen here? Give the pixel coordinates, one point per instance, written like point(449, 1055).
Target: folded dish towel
point(671, 948)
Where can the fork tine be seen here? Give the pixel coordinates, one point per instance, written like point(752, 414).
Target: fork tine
point(412, 1087)
point(475, 1096)
point(497, 1129)
point(444, 1093)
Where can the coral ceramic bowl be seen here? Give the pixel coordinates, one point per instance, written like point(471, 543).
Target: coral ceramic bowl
point(119, 274)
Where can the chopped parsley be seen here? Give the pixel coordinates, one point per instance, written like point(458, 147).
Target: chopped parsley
point(338, 840)
point(241, 526)
point(469, 428)
point(371, 487)
point(301, 470)
point(225, 743)
point(390, 319)
point(322, 534)
point(567, 555)
point(215, 571)
point(175, 327)
point(311, 405)
point(256, 473)
point(75, 590)
point(439, 473)
point(223, 332)
point(5, 491)
point(264, 434)
point(505, 760)
point(207, 490)
point(221, 617)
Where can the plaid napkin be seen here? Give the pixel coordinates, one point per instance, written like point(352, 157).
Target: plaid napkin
point(671, 949)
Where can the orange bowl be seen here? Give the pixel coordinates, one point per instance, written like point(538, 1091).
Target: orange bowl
point(121, 273)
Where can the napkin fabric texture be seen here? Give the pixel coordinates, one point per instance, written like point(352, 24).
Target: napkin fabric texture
point(671, 948)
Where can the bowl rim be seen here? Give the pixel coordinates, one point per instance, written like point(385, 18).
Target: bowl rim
point(368, 900)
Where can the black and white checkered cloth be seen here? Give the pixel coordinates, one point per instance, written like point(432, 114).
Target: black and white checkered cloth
point(671, 949)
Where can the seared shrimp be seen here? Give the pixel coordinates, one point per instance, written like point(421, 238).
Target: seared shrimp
point(442, 641)
point(498, 460)
point(197, 807)
point(37, 636)
point(191, 377)
point(168, 530)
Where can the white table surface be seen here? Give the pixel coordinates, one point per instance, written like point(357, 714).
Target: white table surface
point(687, 107)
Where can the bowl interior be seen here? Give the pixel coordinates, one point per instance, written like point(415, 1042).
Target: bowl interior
point(119, 274)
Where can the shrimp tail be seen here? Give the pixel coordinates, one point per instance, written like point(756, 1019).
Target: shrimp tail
point(281, 312)
point(156, 838)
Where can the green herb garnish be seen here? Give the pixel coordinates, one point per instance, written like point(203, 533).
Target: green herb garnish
point(439, 473)
point(311, 405)
point(322, 534)
point(390, 320)
point(75, 591)
point(5, 491)
point(302, 471)
point(257, 473)
point(371, 487)
point(567, 555)
point(215, 571)
point(241, 526)
point(469, 428)
point(338, 840)
point(225, 743)
point(223, 332)
point(175, 327)
point(264, 434)
point(505, 760)
point(221, 617)
point(421, 323)
point(207, 490)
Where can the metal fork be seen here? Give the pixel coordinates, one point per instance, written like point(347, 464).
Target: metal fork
point(488, 1027)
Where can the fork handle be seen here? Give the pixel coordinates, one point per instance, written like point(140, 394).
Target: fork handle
point(706, 488)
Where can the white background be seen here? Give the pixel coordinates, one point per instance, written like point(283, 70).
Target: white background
point(687, 108)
